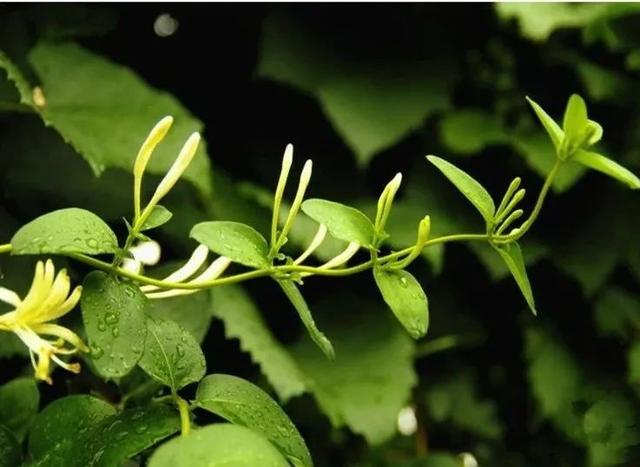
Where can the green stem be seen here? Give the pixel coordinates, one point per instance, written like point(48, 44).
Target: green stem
point(290, 268)
point(185, 415)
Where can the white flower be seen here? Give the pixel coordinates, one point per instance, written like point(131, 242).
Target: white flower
point(147, 253)
point(48, 299)
point(185, 274)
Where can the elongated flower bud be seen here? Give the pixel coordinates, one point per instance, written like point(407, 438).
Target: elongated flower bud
point(156, 135)
point(181, 163)
point(287, 160)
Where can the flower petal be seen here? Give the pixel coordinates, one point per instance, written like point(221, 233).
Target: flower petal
point(194, 263)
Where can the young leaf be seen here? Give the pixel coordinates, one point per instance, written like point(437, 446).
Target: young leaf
point(243, 403)
point(607, 166)
point(511, 254)
point(114, 318)
point(171, 355)
point(553, 129)
point(10, 450)
point(404, 295)
point(242, 320)
point(70, 230)
point(468, 186)
point(159, 216)
point(343, 222)
point(575, 118)
point(19, 399)
point(218, 444)
point(298, 301)
point(239, 242)
point(55, 432)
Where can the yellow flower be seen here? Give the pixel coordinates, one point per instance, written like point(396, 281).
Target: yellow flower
point(47, 300)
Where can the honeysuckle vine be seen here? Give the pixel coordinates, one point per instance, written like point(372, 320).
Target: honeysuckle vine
point(82, 236)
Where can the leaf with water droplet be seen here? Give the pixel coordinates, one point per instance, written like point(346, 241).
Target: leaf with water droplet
point(107, 438)
point(244, 403)
point(114, 319)
point(404, 295)
point(172, 355)
point(70, 230)
point(239, 242)
point(57, 429)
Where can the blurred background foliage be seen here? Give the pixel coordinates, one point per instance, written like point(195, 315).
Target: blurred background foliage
point(366, 91)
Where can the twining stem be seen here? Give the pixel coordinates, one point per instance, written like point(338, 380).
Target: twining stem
point(279, 270)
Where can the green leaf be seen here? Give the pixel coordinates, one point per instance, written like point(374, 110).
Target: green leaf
point(611, 429)
point(468, 186)
point(552, 128)
point(372, 376)
point(19, 399)
point(575, 118)
point(468, 131)
point(87, 111)
point(511, 254)
point(374, 113)
point(455, 401)
point(243, 321)
point(343, 222)
point(192, 312)
point(217, 446)
point(18, 79)
point(554, 374)
point(10, 451)
point(603, 164)
point(172, 355)
point(159, 216)
point(243, 403)
point(604, 84)
point(238, 242)
point(404, 295)
point(297, 300)
point(617, 313)
point(70, 230)
point(371, 107)
point(494, 264)
point(54, 437)
point(126, 434)
point(538, 21)
point(107, 438)
point(114, 319)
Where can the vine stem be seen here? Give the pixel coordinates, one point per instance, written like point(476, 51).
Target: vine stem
point(311, 270)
